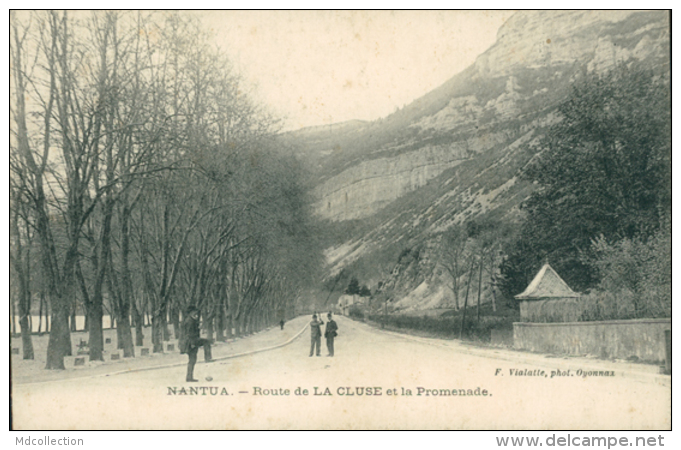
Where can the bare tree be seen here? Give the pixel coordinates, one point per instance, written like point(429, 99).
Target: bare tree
point(452, 254)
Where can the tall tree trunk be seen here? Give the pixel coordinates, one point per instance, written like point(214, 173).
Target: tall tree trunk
point(47, 312)
point(157, 332)
point(166, 330)
point(72, 318)
point(95, 333)
point(125, 336)
point(127, 301)
point(465, 302)
point(40, 315)
point(492, 284)
point(12, 318)
point(57, 285)
point(210, 330)
point(118, 305)
point(123, 332)
point(95, 314)
point(230, 326)
point(221, 320)
point(480, 286)
point(175, 319)
point(59, 343)
point(103, 247)
point(139, 326)
point(26, 342)
point(455, 282)
point(24, 323)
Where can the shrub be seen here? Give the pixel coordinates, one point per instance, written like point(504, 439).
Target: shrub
point(356, 312)
point(635, 278)
point(445, 326)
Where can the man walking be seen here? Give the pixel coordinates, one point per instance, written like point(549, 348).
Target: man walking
point(330, 333)
point(191, 341)
point(315, 335)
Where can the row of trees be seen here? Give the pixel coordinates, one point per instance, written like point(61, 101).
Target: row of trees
point(355, 289)
point(466, 257)
point(143, 178)
point(471, 253)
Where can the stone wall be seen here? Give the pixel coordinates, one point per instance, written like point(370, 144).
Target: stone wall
point(552, 310)
point(621, 339)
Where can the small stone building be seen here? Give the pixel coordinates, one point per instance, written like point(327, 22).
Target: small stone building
point(346, 301)
point(549, 299)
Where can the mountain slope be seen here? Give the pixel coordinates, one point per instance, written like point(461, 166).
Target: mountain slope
point(455, 153)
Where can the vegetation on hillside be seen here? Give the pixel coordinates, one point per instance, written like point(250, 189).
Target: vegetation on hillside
point(598, 210)
point(602, 208)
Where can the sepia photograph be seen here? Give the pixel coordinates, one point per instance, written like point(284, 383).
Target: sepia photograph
point(340, 220)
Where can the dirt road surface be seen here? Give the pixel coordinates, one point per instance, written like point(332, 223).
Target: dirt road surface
point(377, 380)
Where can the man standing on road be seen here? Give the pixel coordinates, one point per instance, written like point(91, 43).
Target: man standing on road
point(330, 333)
point(191, 341)
point(315, 335)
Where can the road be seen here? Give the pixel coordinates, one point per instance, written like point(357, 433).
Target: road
point(284, 389)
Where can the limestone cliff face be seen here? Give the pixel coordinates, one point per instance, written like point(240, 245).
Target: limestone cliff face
point(457, 152)
point(370, 185)
point(537, 39)
point(502, 97)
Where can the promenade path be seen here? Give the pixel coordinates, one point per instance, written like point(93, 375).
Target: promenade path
point(377, 380)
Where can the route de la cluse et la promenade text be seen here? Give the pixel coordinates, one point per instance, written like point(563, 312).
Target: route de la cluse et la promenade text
point(379, 391)
point(341, 391)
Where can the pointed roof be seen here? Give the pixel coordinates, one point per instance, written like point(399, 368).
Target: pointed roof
point(547, 284)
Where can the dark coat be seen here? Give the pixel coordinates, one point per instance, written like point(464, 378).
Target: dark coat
point(191, 334)
point(331, 329)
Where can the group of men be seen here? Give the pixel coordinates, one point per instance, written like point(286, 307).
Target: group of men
point(191, 340)
point(330, 334)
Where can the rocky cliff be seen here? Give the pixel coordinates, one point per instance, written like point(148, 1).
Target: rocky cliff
point(455, 152)
point(523, 75)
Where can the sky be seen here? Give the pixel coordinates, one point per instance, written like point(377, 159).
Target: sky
point(321, 67)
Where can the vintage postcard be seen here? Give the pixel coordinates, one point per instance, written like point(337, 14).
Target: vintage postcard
point(340, 220)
